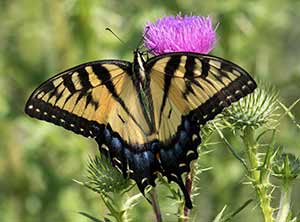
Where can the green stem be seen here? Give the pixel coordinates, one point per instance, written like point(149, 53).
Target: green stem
point(115, 207)
point(181, 212)
point(259, 181)
point(285, 201)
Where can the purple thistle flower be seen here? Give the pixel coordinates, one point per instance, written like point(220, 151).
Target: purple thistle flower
point(180, 34)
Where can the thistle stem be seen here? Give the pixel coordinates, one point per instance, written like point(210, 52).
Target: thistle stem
point(181, 213)
point(285, 201)
point(260, 182)
point(155, 205)
point(116, 207)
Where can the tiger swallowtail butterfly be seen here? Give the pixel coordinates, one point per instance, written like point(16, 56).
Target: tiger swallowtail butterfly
point(145, 115)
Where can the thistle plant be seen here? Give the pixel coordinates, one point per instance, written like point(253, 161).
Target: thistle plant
point(286, 167)
point(109, 183)
point(104, 178)
point(245, 117)
point(252, 118)
point(254, 111)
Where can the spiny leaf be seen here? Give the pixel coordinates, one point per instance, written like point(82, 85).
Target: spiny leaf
point(219, 217)
point(90, 217)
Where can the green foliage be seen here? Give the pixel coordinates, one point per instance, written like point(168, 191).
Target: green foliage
point(38, 160)
point(287, 166)
point(109, 183)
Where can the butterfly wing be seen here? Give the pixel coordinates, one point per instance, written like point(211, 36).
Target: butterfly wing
point(88, 97)
point(190, 84)
point(188, 89)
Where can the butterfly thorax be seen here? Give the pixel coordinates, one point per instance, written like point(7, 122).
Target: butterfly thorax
point(142, 84)
point(139, 66)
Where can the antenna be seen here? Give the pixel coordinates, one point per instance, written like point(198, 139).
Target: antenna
point(108, 29)
point(143, 37)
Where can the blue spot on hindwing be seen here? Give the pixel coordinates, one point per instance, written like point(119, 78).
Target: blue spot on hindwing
point(183, 137)
point(107, 135)
point(139, 164)
point(155, 147)
point(116, 144)
point(127, 154)
point(178, 150)
point(186, 125)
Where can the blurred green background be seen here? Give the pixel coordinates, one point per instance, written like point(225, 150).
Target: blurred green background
point(40, 38)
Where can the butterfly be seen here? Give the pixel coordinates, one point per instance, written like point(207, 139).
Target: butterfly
point(145, 115)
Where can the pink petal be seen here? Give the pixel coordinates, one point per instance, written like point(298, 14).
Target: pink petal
point(180, 34)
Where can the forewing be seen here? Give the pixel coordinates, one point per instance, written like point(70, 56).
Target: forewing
point(81, 98)
point(193, 84)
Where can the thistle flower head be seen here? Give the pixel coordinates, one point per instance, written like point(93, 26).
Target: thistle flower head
point(180, 34)
point(104, 178)
point(256, 110)
point(287, 166)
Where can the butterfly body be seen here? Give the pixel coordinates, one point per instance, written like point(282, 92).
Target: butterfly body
point(141, 81)
point(145, 115)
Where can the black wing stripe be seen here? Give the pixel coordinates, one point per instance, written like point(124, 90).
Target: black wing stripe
point(170, 70)
point(59, 95)
point(68, 83)
point(84, 80)
point(47, 88)
point(205, 67)
point(189, 75)
point(90, 100)
point(189, 67)
point(104, 76)
point(54, 91)
point(226, 67)
point(85, 84)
